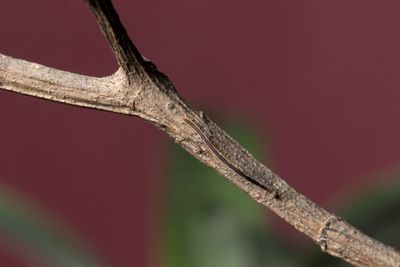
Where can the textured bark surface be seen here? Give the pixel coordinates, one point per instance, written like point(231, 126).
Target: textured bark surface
point(139, 89)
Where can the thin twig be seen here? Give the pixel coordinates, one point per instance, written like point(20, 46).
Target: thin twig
point(125, 52)
point(139, 89)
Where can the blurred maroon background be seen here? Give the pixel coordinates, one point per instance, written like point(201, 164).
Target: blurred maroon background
point(320, 78)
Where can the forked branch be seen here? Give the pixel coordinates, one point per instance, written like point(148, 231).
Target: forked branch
point(139, 89)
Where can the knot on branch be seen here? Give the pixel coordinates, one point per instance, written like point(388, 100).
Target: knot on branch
point(326, 226)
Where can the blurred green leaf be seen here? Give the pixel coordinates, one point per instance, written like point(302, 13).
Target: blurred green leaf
point(28, 229)
point(208, 222)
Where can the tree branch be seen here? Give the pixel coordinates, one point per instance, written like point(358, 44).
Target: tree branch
point(139, 89)
point(127, 55)
point(40, 81)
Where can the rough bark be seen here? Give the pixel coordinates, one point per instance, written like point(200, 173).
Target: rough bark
point(139, 89)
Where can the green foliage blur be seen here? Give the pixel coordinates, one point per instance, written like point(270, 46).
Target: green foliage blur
point(207, 222)
point(38, 238)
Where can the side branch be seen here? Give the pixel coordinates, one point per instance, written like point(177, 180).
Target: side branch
point(127, 55)
point(40, 81)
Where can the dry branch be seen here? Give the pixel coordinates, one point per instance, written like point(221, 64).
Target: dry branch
point(139, 89)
